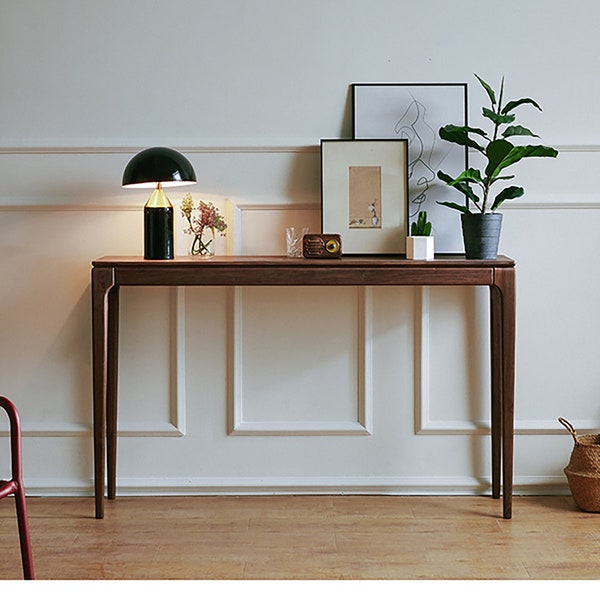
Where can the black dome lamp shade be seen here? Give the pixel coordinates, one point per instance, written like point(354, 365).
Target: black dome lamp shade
point(157, 168)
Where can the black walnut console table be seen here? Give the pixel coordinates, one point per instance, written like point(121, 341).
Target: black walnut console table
point(110, 273)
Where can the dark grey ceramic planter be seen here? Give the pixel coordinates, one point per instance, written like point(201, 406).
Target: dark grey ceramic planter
point(481, 234)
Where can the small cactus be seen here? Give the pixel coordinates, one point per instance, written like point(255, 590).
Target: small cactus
point(421, 226)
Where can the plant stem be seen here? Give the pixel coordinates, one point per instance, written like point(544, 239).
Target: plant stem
point(488, 181)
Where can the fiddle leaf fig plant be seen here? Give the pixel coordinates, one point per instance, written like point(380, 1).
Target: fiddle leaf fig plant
point(497, 151)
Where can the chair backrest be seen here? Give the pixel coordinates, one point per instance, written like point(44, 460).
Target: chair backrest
point(15, 436)
point(15, 486)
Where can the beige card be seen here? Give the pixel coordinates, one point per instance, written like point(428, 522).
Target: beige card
point(364, 198)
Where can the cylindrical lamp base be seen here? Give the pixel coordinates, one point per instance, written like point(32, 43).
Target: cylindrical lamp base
point(158, 233)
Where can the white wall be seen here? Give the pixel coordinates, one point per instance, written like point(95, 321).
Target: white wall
point(247, 88)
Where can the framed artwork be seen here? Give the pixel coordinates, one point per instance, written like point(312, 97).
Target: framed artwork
point(415, 112)
point(364, 193)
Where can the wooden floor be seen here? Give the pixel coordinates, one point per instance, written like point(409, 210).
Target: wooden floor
point(305, 537)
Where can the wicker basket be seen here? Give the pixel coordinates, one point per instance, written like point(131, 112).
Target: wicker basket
point(583, 470)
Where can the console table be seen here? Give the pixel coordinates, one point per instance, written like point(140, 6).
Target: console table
point(110, 273)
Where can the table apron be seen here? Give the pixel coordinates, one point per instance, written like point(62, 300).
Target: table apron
point(225, 276)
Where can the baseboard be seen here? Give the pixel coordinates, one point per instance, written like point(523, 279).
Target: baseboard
point(393, 486)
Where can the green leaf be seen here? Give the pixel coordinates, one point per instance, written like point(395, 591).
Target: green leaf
point(514, 103)
point(461, 186)
point(421, 226)
point(520, 152)
point(496, 118)
point(509, 193)
point(460, 136)
point(488, 89)
point(496, 153)
point(455, 206)
point(517, 130)
point(470, 176)
point(445, 177)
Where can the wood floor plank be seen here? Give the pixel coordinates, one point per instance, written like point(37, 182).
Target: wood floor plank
point(304, 537)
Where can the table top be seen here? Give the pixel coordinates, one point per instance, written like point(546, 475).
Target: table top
point(346, 261)
point(280, 270)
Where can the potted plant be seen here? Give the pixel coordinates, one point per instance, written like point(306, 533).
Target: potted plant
point(419, 244)
point(480, 221)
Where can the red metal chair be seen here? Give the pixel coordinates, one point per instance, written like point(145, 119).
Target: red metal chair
point(15, 485)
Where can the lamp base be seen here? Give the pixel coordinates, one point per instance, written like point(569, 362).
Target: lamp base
point(158, 233)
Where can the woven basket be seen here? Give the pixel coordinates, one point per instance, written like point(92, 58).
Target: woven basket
point(583, 470)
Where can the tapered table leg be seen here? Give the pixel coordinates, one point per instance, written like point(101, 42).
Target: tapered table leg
point(111, 391)
point(102, 282)
point(496, 381)
point(505, 291)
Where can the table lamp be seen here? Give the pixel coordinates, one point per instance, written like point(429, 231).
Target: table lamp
point(158, 168)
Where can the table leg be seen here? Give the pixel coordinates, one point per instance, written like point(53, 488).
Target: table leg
point(111, 390)
point(504, 282)
point(102, 281)
point(496, 381)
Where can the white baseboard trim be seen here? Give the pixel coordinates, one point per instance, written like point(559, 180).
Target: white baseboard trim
point(217, 486)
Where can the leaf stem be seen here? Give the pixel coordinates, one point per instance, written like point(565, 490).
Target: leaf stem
point(488, 180)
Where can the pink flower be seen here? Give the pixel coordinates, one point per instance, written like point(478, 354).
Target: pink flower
point(208, 216)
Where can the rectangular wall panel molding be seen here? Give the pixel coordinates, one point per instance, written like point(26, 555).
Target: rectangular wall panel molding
point(176, 424)
point(425, 425)
point(234, 216)
point(239, 425)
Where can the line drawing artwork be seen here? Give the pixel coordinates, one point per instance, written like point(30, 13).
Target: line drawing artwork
point(421, 137)
point(416, 112)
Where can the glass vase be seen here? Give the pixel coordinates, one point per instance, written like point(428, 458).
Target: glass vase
point(203, 244)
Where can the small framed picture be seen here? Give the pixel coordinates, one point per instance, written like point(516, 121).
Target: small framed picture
point(415, 112)
point(364, 194)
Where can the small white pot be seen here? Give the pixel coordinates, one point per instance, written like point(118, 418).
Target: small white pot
point(420, 247)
